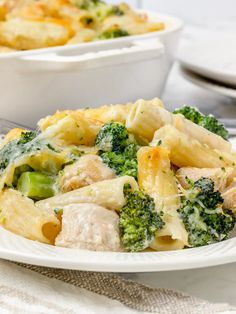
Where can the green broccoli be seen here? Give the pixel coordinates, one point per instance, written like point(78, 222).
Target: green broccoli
point(123, 163)
point(202, 214)
point(112, 137)
point(87, 4)
point(209, 122)
point(14, 149)
point(117, 149)
point(139, 221)
point(18, 172)
point(36, 185)
point(190, 113)
point(115, 10)
point(113, 32)
point(26, 137)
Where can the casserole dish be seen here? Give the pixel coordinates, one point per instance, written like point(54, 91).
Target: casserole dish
point(36, 83)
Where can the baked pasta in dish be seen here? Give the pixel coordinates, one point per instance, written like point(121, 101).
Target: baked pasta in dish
point(130, 177)
point(32, 24)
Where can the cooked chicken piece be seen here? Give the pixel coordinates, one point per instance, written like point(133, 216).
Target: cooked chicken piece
point(90, 227)
point(21, 34)
point(87, 170)
point(221, 177)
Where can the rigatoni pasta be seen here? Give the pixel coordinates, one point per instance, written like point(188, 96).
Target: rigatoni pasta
point(74, 129)
point(157, 179)
point(20, 215)
point(107, 193)
point(103, 114)
point(202, 135)
point(145, 117)
point(187, 151)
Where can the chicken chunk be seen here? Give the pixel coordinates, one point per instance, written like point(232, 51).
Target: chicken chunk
point(90, 227)
point(221, 177)
point(87, 170)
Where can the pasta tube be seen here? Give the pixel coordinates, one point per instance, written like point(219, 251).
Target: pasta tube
point(146, 117)
point(109, 113)
point(172, 236)
point(73, 129)
point(186, 151)
point(20, 215)
point(107, 193)
point(156, 178)
point(201, 134)
point(105, 114)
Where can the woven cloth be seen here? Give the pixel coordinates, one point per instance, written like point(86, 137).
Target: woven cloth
point(32, 289)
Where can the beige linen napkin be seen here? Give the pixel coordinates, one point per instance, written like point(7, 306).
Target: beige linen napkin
point(31, 289)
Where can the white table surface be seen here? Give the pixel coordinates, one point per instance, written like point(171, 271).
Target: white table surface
point(217, 284)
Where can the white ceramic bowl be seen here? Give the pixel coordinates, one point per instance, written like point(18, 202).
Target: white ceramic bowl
point(39, 82)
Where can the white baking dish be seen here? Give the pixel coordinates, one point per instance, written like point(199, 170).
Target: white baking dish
point(36, 83)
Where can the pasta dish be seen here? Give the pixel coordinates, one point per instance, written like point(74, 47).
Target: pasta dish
point(126, 178)
point(32, 24)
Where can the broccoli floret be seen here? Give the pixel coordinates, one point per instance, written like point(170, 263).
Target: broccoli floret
point(36, 185)
point(139, 221)
point(18, 172)
point(209, 122)
point(112, 137)
point(28, 143)
point(212, 124)
point(202, 214)
point(124, 163)
point(115, 10)
point(113, 32)
point(27, 137)
point(190, 113)
point(117, 149)
point(87, 4)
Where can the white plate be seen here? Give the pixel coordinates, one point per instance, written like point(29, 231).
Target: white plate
point(208, 84)
point(16, 248)
point(214, 58)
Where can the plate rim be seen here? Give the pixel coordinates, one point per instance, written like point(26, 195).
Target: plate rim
point(117, 262)
point(203, 69)
point(206, 83)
